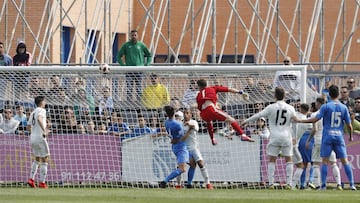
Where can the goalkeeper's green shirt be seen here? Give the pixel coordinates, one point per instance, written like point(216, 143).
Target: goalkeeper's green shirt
point(134, 54)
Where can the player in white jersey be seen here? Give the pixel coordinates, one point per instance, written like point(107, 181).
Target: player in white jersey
point(280, 116)
point(315, 156)
point(191, 127)
point(38, 142)
point(299, 130)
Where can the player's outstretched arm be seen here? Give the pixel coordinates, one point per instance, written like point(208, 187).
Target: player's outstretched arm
point(244, 95)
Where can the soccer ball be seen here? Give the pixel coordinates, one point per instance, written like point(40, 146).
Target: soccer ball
point(104, 68)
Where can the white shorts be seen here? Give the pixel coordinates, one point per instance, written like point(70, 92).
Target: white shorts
point(275, 150)
point(296, 158)
point(315, 155)
point(195, 154)
point(40, 149)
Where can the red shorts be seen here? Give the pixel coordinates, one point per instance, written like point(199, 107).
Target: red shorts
point(213, 114)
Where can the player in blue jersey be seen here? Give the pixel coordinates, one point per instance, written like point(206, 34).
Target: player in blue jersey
point(176, 132)
point(334, 114)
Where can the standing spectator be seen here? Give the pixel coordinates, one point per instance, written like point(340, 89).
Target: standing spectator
point(325, 91)
point(155, 95)
point(206, 103)
point(22, 56)
point(279, 115)
point(135, 53)
point(39, 144)
point(9, 124)
point(334, 115)
point(5, 60)
point(345, 99)
point(189, 97)
point(35, 88)
point(354, 91)
point(82, 101)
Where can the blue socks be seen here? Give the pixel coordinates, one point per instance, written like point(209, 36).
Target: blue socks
point(349, 173)
point(191, 174)
point(173, 175)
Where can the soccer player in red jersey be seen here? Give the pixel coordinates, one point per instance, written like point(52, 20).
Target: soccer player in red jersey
point(206, 101)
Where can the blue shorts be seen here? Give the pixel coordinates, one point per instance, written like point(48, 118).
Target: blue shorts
point(182, 156)
point(305, 153)
point(333, 142)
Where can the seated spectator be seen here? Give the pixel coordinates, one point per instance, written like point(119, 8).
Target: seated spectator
point(50, 127)
point(140, 130)
point(228, 131)
point(81, 130)
point(9, 124)
point(35, 89)
point(101, 129)
point(83, 114)
point(90, 128)
point(117, 125)
point(155, 95)
point(156, 126)
point(67, 123)
point(21, 117)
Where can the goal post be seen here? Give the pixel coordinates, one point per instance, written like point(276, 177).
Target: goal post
point(87, 148)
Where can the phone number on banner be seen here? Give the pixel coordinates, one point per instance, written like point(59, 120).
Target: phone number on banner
point(90, 176)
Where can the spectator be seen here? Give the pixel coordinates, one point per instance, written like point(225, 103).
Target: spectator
point(250, 87)
point(117, 126)
point(354, 91)
point(9, 124)
point(5, 60)
point(263, 92)
point(83, 114)
point(356, 109)
point(355, 124)
point(189, 97)
point(156, 126)
point(20, 80)
point(143, 129)
point(176, 104)
point(90, 128)
point(261, 128)
point(81, 130)
point(345, 99)
point(68, 123)
point(21, 117)
point(35, 88)
point(83, 101)
point(134, 52)
point(291, 82)
point(55, 89)
point(22, 57)
point(106, 102)
point(325, 91)
point(156, 95)
point(101, 128)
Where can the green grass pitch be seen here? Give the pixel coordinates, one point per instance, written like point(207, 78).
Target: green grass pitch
point(170, 195)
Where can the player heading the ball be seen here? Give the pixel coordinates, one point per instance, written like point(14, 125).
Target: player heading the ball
point(206, 103)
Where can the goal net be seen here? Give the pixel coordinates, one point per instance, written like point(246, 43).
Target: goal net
point(91, 146)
